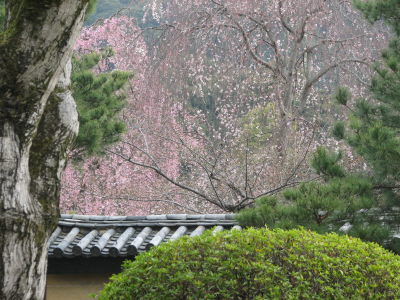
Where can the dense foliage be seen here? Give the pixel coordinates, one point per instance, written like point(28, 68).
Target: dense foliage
point(361, 199)
point(260, 264)
point(99, 99)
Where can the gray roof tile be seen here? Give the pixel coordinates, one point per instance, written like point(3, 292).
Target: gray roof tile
point(135, 218)
point(177, 217)
point(215, 217)
point(156, 217)
point(121, 236)
point(117, 218)
point(195, 217)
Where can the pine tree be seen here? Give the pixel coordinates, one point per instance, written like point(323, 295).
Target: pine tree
point(99, 98)
point(324, 206)
point(368, 202)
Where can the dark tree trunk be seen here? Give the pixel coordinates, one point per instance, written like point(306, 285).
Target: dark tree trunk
point(38, 121)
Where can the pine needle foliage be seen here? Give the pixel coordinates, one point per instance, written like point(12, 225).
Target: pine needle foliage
point(319, 206)
point(100, 99)
point(375, 129)
point(327, 163)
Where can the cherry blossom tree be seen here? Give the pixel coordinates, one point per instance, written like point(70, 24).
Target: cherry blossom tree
point(228, 102)
point(256, 78)
point(110, 184)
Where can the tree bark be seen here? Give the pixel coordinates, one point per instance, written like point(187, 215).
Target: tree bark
point(37, 126)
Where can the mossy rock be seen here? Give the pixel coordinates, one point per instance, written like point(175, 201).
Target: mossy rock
point(260, 264)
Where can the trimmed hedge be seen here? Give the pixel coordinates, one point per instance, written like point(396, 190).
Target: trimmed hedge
point(260, 264)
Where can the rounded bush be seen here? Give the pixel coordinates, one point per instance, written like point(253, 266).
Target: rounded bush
point(260, 264)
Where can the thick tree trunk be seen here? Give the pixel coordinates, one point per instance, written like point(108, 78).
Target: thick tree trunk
point(286, 105)
point(37, 126)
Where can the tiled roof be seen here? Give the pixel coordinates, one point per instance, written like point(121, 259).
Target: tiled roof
point(122, 236)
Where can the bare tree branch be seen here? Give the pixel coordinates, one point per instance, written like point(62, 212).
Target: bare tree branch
point(165, 176)
point(321, 73)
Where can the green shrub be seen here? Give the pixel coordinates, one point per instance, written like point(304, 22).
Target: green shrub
point(260, 264)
